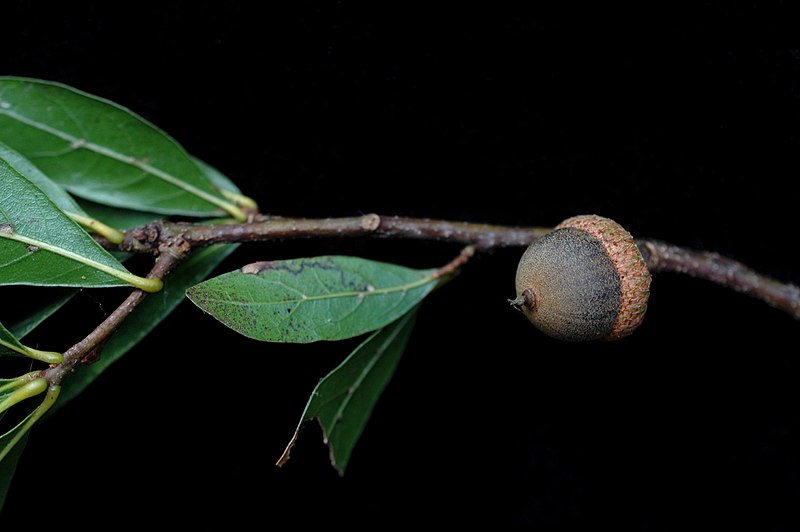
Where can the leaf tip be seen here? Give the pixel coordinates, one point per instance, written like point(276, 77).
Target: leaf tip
point(285, 455)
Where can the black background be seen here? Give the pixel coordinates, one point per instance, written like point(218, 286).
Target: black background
point(682, 125)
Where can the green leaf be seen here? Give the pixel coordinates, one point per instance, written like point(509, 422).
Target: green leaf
point(54, 191)
point(128, 218)
point(226, 186)
point(220, 180)
point(58, 195)
point(10, 345)
point(41, 245)
point(311, 299)
point(101, 151)
point(146, 316)
point(116, 217)
point(13, 441)
point(344, 399)
point(8, 465)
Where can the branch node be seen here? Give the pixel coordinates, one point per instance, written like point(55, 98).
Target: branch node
point(370, 222)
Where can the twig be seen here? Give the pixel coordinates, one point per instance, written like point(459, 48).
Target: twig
point(451, 267)
point(659, 256)
point(73, 356)
point(147, 238)
point(663, 257)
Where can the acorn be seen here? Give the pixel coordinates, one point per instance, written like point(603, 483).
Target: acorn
point(585, 280)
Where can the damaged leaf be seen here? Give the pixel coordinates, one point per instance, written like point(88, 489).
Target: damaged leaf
point(343, 400)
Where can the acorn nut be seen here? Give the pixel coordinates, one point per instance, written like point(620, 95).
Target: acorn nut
point(585, 280)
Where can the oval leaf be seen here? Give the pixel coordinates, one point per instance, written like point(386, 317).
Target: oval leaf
point(344, 399)
point(311, 299)
point(103, 152)
point(41, 245)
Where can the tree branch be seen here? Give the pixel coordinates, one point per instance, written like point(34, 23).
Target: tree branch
point(659, 256)
point(147, 238)
point(166, 261)
point(663, 257)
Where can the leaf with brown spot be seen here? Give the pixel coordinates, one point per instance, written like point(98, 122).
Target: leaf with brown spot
point(312, 299)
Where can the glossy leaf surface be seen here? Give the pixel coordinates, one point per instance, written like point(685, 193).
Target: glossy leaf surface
point(102, 151)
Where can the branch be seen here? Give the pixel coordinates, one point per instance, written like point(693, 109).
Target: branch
point(147, 238)
point(451, 267)
point(659, 256)
point(166, 261)
point(663, 257)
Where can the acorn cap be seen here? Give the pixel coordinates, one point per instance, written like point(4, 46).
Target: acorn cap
point(633, 273)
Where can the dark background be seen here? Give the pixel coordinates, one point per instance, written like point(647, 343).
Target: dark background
point(683, 125)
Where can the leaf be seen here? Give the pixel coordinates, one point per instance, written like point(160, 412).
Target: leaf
point(344, 399)
point(128, 218)
point(54, 191)
point(8, 466)
point(311, 299)
point(10, 345)
point(58, 195)
point(146, 316)
point(220, 180)
point(101, 151)
point(40, 245)
point(14, 440)
point(226, 186)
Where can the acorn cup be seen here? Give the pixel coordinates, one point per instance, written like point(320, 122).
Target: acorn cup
point(585, 280)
